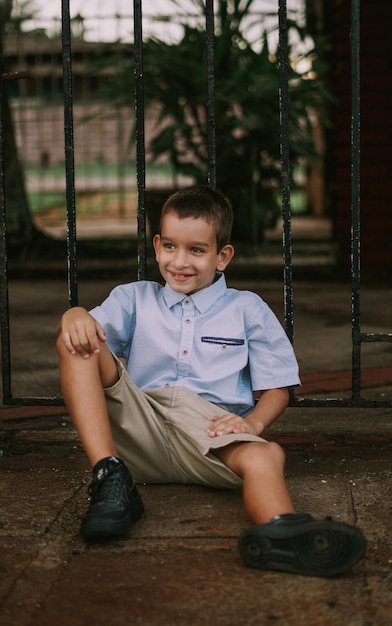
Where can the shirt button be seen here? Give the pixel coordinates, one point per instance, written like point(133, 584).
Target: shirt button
point(185, 352)
point(186, 301)
point(224, 346)
point(187, 321)
point(167, 384)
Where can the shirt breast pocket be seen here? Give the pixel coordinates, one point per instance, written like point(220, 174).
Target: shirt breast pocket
point(222, 357)
point(222, 343)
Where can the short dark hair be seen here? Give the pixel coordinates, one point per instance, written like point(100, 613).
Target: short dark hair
point(207, 203)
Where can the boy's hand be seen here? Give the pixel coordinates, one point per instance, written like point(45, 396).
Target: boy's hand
point(230, 423)
point(81, 333)
point(271, 404)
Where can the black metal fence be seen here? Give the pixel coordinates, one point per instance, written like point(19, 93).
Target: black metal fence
point(358, 337)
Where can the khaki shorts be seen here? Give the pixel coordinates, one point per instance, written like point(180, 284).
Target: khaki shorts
point(161, 435)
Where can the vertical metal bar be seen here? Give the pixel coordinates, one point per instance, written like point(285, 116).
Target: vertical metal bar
point(69, 154)
point(211, 120)
point(285, 166)
point(4, 299)
point(140, 141)
point(355, 199)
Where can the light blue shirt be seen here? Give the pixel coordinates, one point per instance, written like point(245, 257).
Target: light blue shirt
point(219, 343)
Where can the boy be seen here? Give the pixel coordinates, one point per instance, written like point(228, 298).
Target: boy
point(181, 409)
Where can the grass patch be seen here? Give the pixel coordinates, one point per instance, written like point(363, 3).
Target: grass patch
point(40, 201)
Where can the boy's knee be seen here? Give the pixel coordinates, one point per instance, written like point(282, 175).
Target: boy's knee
point(265, 455)
point(60, 347)
point(276, 453)
point(62, 350)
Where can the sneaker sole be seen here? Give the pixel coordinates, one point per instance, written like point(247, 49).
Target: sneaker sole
point(314, 548)
point(105, 530)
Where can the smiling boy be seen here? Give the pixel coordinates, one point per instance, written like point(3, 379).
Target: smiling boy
point(181, 409)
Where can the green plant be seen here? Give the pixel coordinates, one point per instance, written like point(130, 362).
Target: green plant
point(246, 105)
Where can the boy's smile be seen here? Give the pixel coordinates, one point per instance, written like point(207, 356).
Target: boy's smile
point(187, 255)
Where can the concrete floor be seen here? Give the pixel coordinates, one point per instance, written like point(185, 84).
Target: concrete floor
point(180, 565)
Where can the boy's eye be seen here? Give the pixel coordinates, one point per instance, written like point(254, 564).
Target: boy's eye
point(197, 250)
point(169, 246)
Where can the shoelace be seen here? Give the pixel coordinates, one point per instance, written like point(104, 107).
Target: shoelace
point(96, 487)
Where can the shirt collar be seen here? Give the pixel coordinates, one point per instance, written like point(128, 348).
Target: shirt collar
point(201, 299)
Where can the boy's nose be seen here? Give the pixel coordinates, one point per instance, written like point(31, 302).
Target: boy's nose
point(180, 259)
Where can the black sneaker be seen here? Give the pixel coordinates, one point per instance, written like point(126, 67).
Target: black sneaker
point(300, 544)
point(115, 503)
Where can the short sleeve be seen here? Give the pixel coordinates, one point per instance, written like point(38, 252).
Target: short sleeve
point(272, 362)
point(117, 316)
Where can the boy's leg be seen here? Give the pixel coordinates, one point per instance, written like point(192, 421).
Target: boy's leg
point(261, 467)
point(281, 539)
point(82, 382)
point(115, 503)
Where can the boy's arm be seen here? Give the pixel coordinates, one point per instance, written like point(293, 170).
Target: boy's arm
point(268, 408)
point(80, 332)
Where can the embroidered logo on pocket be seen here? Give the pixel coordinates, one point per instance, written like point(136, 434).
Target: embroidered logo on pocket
point(226, 341)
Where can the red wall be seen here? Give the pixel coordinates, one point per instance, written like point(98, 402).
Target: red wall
point(376, 137)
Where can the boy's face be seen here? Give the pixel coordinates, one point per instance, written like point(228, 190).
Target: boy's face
point(187, 254)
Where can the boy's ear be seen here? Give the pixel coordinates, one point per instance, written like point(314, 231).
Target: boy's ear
point(224, 257)
point(155, 242)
